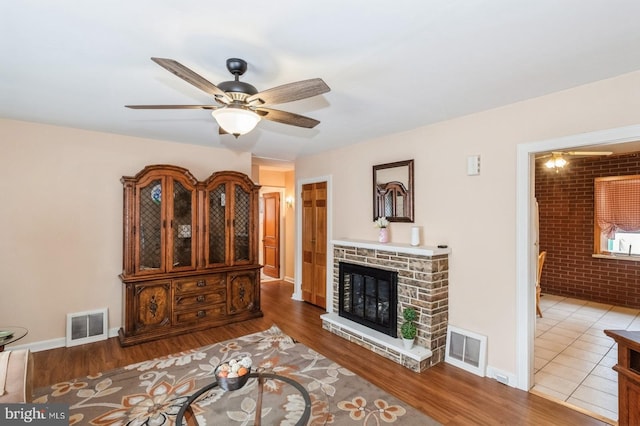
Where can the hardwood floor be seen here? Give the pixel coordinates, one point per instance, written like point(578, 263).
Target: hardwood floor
point(448, 394)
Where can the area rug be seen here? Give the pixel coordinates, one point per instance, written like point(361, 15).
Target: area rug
point(152, 392)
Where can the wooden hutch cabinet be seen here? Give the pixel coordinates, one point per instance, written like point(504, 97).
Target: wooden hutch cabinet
point(190, 252)
point(628, 368)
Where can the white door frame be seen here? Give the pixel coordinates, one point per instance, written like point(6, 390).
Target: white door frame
point(297, 285)
point(526, 253)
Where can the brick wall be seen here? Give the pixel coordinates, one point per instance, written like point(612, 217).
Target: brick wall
point(423, 283)
point(565, 203)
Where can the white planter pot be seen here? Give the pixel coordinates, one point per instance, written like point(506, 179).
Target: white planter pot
point(408, 343)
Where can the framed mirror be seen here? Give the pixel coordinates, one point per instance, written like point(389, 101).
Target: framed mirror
point(393, 191)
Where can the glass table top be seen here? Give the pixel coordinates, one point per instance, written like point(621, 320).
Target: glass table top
point(10, 334)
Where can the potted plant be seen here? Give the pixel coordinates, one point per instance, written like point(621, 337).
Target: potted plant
point(408, 329)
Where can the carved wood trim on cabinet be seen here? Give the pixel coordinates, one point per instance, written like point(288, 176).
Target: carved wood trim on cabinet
point(190, 252)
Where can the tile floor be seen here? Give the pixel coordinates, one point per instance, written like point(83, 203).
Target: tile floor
point(573, 356)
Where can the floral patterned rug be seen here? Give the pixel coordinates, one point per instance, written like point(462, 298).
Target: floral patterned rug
point(152, 392)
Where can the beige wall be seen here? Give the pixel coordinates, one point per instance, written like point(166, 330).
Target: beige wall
point(474, 215)
point(271, 178)
point(61, 218)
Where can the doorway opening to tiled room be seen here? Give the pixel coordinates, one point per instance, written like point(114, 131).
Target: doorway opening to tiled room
point(574, 358)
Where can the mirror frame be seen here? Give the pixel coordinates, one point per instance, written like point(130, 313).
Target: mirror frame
point(409, 211)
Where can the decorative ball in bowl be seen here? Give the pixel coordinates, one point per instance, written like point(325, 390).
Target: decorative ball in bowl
point(233, 374)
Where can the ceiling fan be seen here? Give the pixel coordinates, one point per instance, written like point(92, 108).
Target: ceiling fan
point(239, 106)
point(557, 158)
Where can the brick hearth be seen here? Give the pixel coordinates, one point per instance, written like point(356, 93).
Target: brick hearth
point(423, 283)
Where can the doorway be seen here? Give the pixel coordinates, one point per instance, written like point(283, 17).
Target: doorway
point(272, 233)
point(526, 250)
point(314, 243)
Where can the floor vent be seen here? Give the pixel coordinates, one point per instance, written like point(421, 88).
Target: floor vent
point(466, 350)
point(86, 327)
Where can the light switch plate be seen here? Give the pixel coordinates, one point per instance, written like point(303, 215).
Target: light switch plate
point(473, 165)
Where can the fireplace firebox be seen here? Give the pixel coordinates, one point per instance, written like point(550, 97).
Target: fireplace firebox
point(368, 296)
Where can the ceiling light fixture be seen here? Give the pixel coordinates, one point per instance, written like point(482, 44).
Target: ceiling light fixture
point(236, 120)
point(556, 162)
point(238, 105)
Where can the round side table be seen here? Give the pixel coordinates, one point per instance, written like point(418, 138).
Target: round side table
point(10, 334)
point(305, 395)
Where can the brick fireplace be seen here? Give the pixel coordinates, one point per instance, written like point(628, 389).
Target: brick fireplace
point(423, 283)
point(367, 295)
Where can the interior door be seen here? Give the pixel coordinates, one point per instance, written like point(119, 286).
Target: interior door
point(314, 243)
point(271, 235)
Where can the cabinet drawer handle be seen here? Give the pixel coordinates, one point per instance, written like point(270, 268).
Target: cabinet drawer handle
point(201, 314)
point(200, 298)
point(201, 283)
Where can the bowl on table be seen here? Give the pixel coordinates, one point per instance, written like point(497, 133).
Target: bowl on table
point(233, 374)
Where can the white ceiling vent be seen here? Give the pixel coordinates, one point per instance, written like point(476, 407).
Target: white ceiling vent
point(466, 350)
point(87, 327)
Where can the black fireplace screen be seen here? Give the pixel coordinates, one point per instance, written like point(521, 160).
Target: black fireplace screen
point(368, 296)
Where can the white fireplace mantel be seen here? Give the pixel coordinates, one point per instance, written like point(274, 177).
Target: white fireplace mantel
point(397, 247)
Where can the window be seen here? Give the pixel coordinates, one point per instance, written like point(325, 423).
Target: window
point(617, 215)
point(624, 243)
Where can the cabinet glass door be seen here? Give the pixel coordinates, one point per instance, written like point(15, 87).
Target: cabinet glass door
point(216, 229)
point(241, 225)
point(182, 227)
point(150, 226)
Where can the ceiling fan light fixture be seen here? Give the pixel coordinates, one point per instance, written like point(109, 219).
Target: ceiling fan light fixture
point(236, 121)
point(238, 105)
point(556, 162)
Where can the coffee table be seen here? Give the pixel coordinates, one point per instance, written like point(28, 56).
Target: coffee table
point(304, 418)
point(11, 334)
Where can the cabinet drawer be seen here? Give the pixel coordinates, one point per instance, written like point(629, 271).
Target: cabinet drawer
point(200, 284)
point(204, 314)
point(182, 301)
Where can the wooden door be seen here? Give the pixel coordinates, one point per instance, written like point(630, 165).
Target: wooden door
point(314, 243)
point(271, 235)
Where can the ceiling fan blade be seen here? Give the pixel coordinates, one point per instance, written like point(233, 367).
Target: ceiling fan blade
point(290, 92)
point(285, 117)
point(192, 77)
point(588, 153)
point(574, 154)
point(172, 106)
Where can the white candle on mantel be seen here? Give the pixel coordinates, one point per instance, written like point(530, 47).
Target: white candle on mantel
point(415, 235)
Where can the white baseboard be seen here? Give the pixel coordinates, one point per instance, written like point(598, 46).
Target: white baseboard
point(289, 280)
point(45, 345)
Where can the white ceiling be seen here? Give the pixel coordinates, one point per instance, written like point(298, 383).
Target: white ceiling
point(392, 66)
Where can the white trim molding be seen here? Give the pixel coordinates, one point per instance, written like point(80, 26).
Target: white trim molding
point(526, 252)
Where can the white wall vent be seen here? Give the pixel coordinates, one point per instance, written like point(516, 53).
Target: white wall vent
point(87, 327)
point(466, 350)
